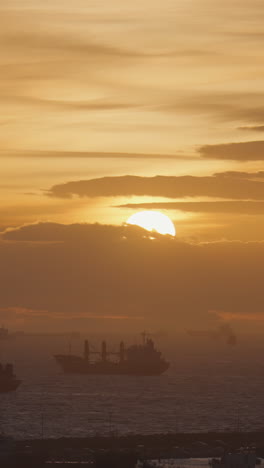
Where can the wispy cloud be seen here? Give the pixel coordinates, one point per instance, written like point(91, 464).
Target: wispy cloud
point(89, 154)
point(244, 151)
point(64, 43)
point(253, 128)
point(240, 317)
point(24, 312)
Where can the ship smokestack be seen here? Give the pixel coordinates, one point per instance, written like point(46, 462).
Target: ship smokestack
point(122, 351)
point(86, 352)
point(104, 353)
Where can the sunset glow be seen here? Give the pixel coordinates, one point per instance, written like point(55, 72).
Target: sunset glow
point(131, 113)
point(153, 221)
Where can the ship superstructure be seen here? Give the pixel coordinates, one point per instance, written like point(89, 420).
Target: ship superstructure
point(142, 359)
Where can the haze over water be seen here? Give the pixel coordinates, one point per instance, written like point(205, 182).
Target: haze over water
point(209, 387)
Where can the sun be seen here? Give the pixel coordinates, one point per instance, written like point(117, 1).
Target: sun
point(153, 221)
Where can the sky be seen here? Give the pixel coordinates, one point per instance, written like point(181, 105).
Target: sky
point(109, 108)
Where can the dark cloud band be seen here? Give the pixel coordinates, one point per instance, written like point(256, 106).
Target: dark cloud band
point(238, 186)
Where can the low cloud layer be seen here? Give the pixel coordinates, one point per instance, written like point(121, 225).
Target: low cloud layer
point(89, 271)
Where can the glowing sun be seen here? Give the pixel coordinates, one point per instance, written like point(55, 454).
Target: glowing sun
point(153, 221)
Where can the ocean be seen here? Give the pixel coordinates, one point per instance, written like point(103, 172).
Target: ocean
point(210, 386)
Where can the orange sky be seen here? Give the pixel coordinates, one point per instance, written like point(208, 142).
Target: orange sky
point(93, 93)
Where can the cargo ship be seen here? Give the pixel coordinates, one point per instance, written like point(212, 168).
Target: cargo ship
point(142, 359)
point(8, 380)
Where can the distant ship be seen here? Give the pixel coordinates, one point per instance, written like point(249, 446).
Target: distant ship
point(142, 360)
point(223, 332)
point(6, 335)
point(8, 380)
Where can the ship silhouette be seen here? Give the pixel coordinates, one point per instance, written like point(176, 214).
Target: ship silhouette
point(8, 380)
point(142, 359)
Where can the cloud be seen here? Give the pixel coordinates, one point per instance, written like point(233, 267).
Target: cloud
point(25, 313)
point(55, 104)
point(67, 43)
point(241, 175)
point(246, 151)
point(223, 106)
point(89, 272)
point(63, 43)
point(55, 232)
point(234, 207)
point(218, 185)
point(250, 317)
point(82, 46)
point(253, 128)
point(245, 113)
point(88, 154)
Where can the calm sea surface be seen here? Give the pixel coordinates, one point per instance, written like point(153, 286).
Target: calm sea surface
point(209, 386)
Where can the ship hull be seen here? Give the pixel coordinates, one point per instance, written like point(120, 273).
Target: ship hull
point(77, 365)
point(9, 385)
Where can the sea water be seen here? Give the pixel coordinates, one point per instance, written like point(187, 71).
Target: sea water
point(210, 386)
